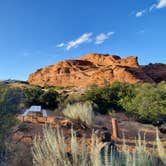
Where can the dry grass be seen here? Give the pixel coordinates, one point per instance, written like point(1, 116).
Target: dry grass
point(80, 111)
point(53, 151)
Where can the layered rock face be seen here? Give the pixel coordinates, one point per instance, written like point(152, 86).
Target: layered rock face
point(96, 69)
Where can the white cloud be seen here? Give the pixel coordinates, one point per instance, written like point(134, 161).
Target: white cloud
point(86, 37)
point(60, 45)
point(110, 33)
point(161, 4)
point(140, 13)
point(153, 6)
point(102, 37)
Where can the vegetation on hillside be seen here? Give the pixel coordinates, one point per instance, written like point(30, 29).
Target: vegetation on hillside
point(146, 102)
point(10, 99)
point(48, 99)
point(14, 99)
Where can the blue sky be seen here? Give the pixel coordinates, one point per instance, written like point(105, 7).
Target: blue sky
point(36, 33)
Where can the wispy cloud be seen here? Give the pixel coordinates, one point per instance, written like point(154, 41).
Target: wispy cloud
point(153, 6)
point(86, 37)
point(60, 45)
point(102, 37)
point(159, 5)
point(140, 13)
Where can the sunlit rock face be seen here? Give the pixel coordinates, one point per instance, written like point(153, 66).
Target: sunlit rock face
point(97, 69)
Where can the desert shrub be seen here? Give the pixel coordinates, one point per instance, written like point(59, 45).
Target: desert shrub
point(32, 96)
point(146, 102)
point(48, 87)
point(53, 150)
point(9, 105)
point(7, 121)
point(48, 99)
point(72, 98)
point(80, 111)
point(105, 97)
point(149, 104)
point(10, 98)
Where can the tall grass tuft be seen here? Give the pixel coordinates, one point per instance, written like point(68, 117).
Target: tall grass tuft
point(160, 148)
point(80, 111)
point(52, 150)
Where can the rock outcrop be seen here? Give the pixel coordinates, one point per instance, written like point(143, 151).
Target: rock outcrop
point(156, 71)
point(100, 69)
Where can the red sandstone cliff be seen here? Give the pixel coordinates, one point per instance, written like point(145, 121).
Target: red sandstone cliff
point(97, 69)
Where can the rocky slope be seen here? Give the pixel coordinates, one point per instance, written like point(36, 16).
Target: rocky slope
point(100, 69)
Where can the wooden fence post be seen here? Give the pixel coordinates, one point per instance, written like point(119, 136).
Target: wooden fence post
point(114, 128)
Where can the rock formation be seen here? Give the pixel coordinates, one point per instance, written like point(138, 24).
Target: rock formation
point(100, 69)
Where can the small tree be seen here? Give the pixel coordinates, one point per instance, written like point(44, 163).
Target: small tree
point(32, 96)
point(49, 99)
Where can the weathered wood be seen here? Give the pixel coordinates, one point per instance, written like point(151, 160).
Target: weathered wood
point(115, 133)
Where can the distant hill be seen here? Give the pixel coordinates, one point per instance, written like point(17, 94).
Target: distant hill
point(97, 69)
point(9, 81)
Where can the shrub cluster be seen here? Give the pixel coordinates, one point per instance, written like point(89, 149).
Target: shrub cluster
point(48, 99)
point(13, 98)
point(9, 105)
point(10, 98)
point(147, 102)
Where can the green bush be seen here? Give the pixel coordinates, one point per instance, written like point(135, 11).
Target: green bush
point(72, 98)
point(7, 121)
point(48, 99)
point(105, 97)
point(146, 102)
point(32, 96)
point(10, 98)
point(149, 104)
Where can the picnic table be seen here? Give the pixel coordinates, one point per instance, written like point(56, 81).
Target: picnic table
point(34, 109)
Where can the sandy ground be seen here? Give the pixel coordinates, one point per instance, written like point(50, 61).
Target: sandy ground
point(127, 128)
